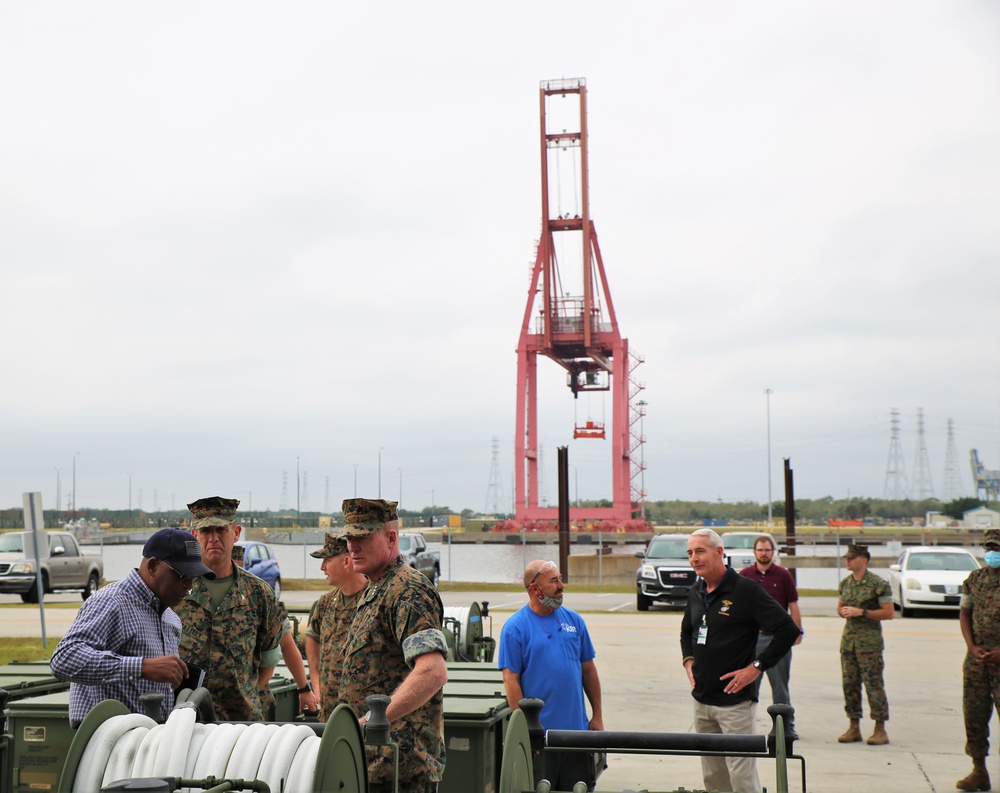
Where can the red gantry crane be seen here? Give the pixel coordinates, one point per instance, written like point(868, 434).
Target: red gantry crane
point(572, 329)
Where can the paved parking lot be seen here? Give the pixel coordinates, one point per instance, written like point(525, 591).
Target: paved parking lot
point(645, 689)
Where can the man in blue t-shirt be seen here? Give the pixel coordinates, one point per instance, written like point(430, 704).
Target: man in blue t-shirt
point(545, 646)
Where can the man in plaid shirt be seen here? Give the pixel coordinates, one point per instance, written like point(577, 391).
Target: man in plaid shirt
point(125, 638)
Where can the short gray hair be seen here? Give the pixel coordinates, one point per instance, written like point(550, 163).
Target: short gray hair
point(713, 537)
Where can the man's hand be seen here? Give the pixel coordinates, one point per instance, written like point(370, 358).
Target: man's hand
point(165, 669)
point(984, 656)
point(309, 701)
point(740, 679)
point(596, 723)
point(688, 665)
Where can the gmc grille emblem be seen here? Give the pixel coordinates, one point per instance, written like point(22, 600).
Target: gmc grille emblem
point(678, 575)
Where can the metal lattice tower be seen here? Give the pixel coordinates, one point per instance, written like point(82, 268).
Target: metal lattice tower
point(326, 497)
point(896, 484)
point(494, 492)
point(305, 492)
point(923, 487)
point(952, 477)
point(637, 440)
point(283, 503)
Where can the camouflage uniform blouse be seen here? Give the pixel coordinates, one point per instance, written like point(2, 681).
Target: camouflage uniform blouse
point(981, 593)
point(398, 618)
point(329, 621)
point(228, 642)
point(870, 593)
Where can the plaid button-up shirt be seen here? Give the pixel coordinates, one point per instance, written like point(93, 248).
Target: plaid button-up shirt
point(101, 654)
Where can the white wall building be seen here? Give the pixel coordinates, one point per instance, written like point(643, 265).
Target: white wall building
point(981, 518)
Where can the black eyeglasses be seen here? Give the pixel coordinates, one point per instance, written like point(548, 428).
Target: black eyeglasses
point(180, 577)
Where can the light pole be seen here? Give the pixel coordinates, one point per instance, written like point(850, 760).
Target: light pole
point(355, 480)
point(380, 448)
point(74, 484)
point(58, 490)
point(767, 393)
point(641, 404)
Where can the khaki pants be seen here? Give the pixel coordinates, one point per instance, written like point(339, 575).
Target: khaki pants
point(728, 773)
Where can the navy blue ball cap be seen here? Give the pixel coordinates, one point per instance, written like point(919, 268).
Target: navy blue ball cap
point(180, 550)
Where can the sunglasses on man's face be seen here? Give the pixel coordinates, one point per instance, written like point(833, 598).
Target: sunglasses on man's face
point(183, 579)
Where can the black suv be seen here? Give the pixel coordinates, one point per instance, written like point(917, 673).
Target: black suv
point(664, 576)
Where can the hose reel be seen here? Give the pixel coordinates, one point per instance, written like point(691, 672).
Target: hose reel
point(525, 739)
point(117, 750)
point(466, 626)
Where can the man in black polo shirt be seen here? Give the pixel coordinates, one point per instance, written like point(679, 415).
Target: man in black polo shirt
point(724, 616)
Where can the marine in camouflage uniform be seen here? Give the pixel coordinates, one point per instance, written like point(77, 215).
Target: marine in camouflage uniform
point(863, 602)
point(237, 636)
point(396, 647)
point(979, 617)
point(330, 620)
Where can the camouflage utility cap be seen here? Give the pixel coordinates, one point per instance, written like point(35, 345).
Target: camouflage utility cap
point(213, 511)
point(334, 546)
point(991, 537)
point(858, 550)
point(364, 516)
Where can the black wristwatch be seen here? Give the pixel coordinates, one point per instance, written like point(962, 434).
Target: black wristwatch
point(306, 689)
point(757, 666)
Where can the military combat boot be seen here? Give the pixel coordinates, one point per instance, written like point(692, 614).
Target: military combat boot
point(853, 733)
point(979, 779)
point(878, 737)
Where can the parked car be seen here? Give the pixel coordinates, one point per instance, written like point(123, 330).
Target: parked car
point(413, 548)
point(930, 577)
point(664, 575)
point(259, 559)
point(739, 548)
point(62, 563)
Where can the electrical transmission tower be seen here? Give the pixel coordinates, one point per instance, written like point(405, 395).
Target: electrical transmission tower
point(494, 493)
point(283, 503)
point(952, 478)
point(326, 499)
point(923, 487)
point(305, 491)
point(896, 485)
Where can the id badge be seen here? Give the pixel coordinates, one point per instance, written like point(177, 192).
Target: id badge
point(702, 634)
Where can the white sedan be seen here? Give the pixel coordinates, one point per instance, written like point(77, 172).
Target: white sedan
point(930, 577)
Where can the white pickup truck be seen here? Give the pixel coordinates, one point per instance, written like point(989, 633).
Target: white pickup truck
point(63, 565)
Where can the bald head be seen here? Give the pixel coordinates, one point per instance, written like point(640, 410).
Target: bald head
point(535, 569)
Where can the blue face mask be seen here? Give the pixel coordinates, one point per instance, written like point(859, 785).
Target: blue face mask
point(992, 558)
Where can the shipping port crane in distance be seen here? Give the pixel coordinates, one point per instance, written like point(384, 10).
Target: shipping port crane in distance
point(573, 331)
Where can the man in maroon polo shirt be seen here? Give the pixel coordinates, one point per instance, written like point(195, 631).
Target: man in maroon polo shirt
point(781, 586)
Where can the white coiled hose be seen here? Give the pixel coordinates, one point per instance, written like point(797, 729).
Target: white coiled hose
point(134, 746)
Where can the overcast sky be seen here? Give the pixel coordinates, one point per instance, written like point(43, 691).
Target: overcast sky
point(237, 237)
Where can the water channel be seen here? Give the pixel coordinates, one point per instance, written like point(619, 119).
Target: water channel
point(470, 563)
